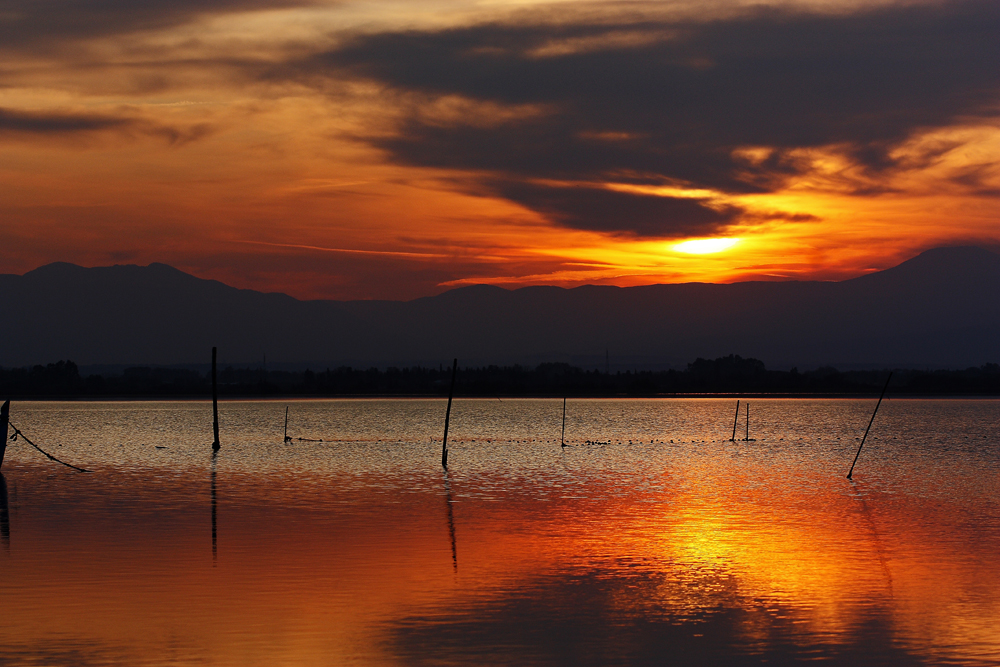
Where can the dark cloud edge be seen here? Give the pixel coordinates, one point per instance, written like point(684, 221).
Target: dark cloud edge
point(48, 124)
point(844, 80)
point(41, 25)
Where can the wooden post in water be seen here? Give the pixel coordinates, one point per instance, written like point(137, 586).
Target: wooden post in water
point(562, 439)
point(870, 421)
point(286, 424)
point(735, 420)
point(215, 405)
point(447, 415)
point(4, 421)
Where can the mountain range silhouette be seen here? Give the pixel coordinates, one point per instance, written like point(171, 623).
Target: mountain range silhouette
point(939, 309)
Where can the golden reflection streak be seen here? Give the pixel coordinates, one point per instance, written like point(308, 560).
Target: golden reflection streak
point(717, 540)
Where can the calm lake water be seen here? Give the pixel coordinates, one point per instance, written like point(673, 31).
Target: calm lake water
point(659, 542)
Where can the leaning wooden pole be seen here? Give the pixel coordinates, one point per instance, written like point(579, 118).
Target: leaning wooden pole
point(562, 439)
point(870, 421)
point(215, 404)
point(735, 420)
point(4, 421)
point(447, 415)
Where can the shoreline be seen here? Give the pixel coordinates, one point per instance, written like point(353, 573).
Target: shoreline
point(187, 398)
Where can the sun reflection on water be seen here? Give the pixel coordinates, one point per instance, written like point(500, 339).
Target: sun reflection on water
point(361, 551)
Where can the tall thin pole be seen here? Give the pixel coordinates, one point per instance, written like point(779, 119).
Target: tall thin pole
point(286, 424)
point(215, 405)
point(735, 420)
point(447, 415)
point(562, 439)
point(851, 471)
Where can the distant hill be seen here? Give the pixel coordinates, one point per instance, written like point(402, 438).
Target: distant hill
point(939, 309)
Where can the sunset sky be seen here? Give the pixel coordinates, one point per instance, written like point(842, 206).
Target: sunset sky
point(399, 148)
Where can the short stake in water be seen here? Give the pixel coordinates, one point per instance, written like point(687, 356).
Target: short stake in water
point(851, 471)
point(736, 418)
point(215, 405)
point(562, 439)
point(447, 415)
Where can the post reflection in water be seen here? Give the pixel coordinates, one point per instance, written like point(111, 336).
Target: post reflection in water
point(451, 520)
point(692, 552)
point(215, 549)
point(4, 513)
point(859, 494)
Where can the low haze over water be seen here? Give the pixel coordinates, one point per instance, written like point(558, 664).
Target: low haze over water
point(650, 539)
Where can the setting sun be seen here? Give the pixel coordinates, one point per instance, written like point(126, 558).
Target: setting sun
point(704, 246)
point(387, 150)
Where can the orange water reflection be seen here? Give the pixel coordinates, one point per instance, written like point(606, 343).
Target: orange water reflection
point(724, 561)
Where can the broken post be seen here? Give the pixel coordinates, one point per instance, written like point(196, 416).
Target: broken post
point(735, 420)
point(4, 421)
point(215, 405)
point(870, 421)
point(447, 415)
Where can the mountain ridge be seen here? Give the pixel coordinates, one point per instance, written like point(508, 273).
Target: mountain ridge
point(937, 309)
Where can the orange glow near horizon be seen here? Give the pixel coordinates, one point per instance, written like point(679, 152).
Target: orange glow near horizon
point(187, 144)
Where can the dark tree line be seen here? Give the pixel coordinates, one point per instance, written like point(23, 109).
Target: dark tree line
point(725, 375)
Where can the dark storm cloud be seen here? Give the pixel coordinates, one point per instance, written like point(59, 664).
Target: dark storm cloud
point(39, 24)
point(53, 124)
point(48, 124)
point(678, 100)
point(598, 209)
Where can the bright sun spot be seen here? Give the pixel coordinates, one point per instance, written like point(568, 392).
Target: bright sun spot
point(705, 246)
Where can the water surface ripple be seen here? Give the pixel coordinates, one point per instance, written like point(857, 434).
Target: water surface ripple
point(650, 539)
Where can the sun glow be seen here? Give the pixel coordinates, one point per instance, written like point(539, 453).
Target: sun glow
point(704, 246)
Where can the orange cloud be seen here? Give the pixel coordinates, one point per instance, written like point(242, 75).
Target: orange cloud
point(515, 145)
